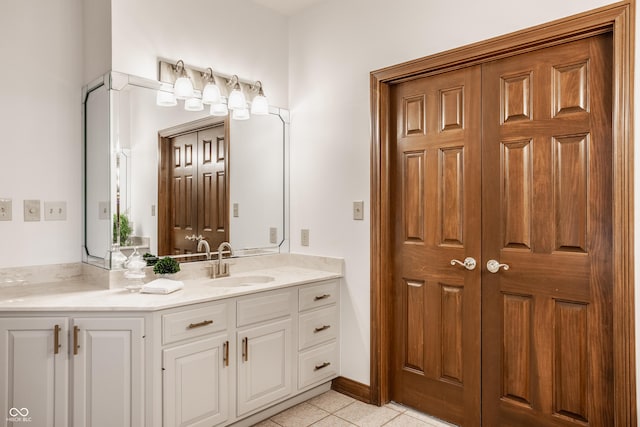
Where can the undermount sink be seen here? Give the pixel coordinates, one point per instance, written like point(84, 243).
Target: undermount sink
point(240, 281)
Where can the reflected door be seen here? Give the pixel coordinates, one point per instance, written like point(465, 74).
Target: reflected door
point(193, 196)
point(436, 205)
point(547, 214)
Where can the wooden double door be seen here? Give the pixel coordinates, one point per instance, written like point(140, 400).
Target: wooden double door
point(193, 188)
point(502, 225)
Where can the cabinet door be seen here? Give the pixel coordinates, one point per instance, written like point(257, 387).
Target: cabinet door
point(264, 365)
point(196, 383)
point(108, 372)
point(34, 377)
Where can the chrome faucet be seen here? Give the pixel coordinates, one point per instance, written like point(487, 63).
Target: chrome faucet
point(221, 269)
point(207, 249)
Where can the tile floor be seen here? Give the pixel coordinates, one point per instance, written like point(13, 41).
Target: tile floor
point(332, 409)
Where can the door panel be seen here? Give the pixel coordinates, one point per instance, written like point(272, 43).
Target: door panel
point(184, 192)
point(212, 186)
point(547, 214)
point(436, 195)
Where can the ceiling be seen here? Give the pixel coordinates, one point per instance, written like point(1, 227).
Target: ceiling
point(286, 7)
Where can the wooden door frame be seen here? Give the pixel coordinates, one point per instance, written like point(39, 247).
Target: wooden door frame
point(618, 19)
point(164, 169)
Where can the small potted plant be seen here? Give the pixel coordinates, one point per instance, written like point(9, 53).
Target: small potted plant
point(166, 267)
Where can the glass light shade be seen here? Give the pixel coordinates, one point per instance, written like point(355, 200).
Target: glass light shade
point(219, 109)
point(260, 105)
point(183, 88)
point(193, 104)
point(211, 94)
point(237, 100)
point(165, 99)
point(241, 114)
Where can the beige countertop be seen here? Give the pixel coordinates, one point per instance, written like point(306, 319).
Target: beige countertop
point(80, 295)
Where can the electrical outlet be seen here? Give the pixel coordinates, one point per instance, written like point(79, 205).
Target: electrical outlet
point(273, 235)
point(103, 210)
point(304, 237)
point(236, 210)
point(358, 210)
point(153, 210)
point(6, 209)
point(55, 211)
point(32, 210)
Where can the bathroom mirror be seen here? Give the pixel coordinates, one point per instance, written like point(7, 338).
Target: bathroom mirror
point(127, 185)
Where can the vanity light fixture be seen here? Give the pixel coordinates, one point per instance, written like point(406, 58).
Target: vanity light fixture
point(236, 101)
point(199, 87)
point(193, 104)
point(259, 103)
point(211, 92)
point(241, 113)
point(219, 109)
point(183, 87)
point(165, 97)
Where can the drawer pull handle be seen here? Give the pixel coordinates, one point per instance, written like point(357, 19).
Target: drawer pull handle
point(225, 358)
point(323, 296)
point(245, 349)
point(76, 346)
point(321, 328)
point(322, 366)
point(197, 325)
point(56, 339)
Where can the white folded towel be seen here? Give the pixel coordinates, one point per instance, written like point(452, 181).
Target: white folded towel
point(162, 286)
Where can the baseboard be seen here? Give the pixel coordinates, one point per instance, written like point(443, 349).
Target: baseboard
point(352, 388)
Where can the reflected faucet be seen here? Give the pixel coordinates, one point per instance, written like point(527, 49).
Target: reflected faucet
point(207, 249)
point(221, 269)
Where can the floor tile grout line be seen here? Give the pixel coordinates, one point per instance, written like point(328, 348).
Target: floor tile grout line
point(397, 415)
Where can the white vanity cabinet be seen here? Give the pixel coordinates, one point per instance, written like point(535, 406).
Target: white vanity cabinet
point(196, 365)
point(104, 356)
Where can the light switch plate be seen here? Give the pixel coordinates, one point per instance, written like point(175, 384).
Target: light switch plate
point(236, 210)
point(358, 210)
point(273, 235)
point(55, 211)
point(304, 237)
point(32, 210)
point(103, 210)
point(6, 210)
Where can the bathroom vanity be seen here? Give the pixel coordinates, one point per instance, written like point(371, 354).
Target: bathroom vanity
point(219, 352)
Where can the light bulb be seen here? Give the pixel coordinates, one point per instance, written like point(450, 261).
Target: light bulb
point(241, 113)
point(260, 105)
point(237, 100)
point(219, 109)
point(165, 99)
point(193, 104)
point(211, 94)
point(183, 88)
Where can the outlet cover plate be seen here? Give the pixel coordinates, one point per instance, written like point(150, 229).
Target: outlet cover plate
point(32, 210)
point(55, 211)
point(273, 235)
point(304, 237)
point(358, 210)
point(6, 210)
point(103, 210)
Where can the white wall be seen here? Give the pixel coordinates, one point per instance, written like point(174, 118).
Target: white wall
point(333, 47)
point(96, 36)
point(230, 36)
point(40, 118)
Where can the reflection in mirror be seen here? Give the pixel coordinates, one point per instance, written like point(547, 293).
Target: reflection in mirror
point(247, 207)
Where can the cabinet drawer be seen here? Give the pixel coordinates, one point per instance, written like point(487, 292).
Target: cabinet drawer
point(317, 327)
point(318, 365)
point(193, 323)
point(264, 307)
point(318, 295)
